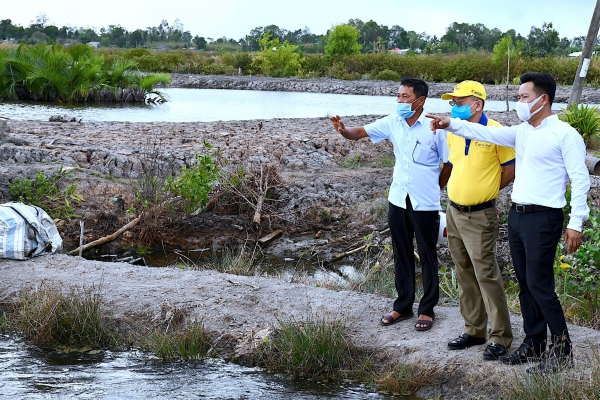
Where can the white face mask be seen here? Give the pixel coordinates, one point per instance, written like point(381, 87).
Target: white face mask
point(524, 109)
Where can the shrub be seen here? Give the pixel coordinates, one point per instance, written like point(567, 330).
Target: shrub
point(342, 40)
point(388, 75)
point(48, 194)
point(585, 119)
point(277, 59)
point(195, 182)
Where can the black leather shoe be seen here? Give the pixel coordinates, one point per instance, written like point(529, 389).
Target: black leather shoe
point(551, 364)
point(493, 351)
point(523, 354)
point(464, 341)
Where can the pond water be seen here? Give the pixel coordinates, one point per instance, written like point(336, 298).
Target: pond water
point(32, 373)
point(189, 105)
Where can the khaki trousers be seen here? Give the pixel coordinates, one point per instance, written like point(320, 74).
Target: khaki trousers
point(472, 241)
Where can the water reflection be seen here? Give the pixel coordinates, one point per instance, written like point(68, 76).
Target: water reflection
point(191, 105)
point(30, 373)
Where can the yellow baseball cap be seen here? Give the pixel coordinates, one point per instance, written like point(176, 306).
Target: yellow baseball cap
point(466, 88)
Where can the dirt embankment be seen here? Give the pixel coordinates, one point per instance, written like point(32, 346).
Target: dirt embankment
point(327, 184)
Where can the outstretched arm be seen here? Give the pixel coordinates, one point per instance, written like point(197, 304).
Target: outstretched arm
point(502, 135)
point(353, 133)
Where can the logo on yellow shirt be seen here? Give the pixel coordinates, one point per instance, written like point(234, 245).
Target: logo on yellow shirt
point(483, 145)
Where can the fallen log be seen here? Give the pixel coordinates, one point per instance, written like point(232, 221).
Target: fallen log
point(269, 238)
point(348, 253)
point(106, 239)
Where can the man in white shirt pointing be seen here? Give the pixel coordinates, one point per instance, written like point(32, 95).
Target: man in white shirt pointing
point(549, 153)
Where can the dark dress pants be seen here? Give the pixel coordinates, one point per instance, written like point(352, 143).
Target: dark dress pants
point(404, 224)
point(533, 238)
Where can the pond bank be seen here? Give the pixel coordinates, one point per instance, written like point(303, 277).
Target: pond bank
point(239, 309)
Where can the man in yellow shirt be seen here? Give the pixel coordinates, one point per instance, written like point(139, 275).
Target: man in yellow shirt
point(479, 171)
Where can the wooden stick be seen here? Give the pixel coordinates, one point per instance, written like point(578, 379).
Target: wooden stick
point(105, 239)
point(348, 253)
point(81, 238)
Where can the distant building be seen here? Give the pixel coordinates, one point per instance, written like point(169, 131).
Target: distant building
point(94, 44)
point(579, 53)
point(163, 47)
point(399, 51)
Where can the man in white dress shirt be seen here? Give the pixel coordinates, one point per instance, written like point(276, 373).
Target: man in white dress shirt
point(414, 199)
point(549, 153)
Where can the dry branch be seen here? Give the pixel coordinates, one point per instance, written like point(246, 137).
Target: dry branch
point(106, 239)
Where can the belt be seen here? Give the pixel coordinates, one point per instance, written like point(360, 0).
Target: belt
point(476, 207)
point(529, 208)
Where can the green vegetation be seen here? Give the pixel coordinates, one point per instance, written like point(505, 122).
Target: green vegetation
point(342, 40)
point(277, 59)
point(585, 119)
point(49, 193)
point(190, 342)
point(351, 161)
point(318, 347)
point(569, 385)
point(388, 75)
point(195, 182)
point(405, 380)
point(70, 75)
point(437, 67)
point(578, 278)
point(49, 317)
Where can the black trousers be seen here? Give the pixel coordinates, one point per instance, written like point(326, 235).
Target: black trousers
point(533, 238)
point(404, 225)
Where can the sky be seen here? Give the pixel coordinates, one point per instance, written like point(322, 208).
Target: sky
point(234, 19)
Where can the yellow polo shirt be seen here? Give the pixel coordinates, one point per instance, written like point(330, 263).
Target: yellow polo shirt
point(476, 167)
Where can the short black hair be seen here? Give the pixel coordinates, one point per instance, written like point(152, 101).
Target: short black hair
point(543, 83)
point(420, 88)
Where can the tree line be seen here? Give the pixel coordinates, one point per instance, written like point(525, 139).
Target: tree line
point(372, 37)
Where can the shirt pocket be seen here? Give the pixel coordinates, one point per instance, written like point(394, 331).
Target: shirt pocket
point(425, 154)
point(481, 155)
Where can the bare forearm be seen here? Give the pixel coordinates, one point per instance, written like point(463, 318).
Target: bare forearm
point(507, 176)
point(445, 175)
point(353, 133)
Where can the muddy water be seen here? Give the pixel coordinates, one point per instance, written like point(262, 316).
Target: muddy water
point(31, 373)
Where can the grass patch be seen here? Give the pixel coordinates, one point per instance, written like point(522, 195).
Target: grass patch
point(574, 384)
point(243, 260)
point(322, 348)
point(48, 316)
point(404, 380)
point(376, 270)
point(448, 286)
point(190, 342)
point(387, 162)
point(317, 347)
point(351, 161)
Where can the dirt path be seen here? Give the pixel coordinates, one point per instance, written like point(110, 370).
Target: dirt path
point(244, 306)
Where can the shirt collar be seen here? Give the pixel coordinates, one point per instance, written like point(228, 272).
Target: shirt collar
point(548, 120)
point(484, 119)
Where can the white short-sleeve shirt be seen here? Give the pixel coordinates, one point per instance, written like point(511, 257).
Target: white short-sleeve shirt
point(418, 154)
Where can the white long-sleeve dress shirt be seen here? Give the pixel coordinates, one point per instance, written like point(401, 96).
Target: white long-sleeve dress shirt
point(547, 157)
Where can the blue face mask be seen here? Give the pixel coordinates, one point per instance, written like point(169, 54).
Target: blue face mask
point(462, 112)
point(405, 109)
